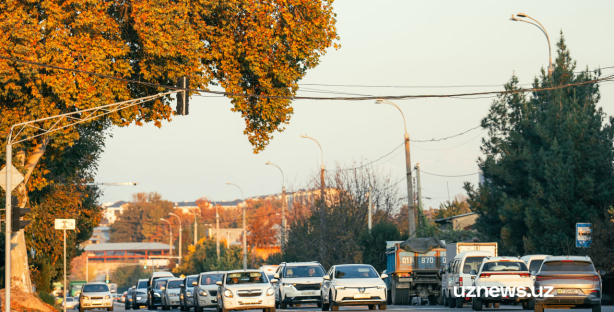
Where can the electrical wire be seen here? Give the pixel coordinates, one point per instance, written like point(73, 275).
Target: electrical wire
point(449, 176)
point(449, 148)
point(262, 96)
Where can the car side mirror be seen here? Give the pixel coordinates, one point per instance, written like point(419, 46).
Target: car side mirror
point(326, 278)
point(194, 283)
point(276, 275)
point(182, 285)
point(133, 287)
point(162, 288)
point(274, 281)
point(533, 272)
point(602, 272)
point(384, 276)
point(219, 283)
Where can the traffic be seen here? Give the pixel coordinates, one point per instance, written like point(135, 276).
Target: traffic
point(418, 272)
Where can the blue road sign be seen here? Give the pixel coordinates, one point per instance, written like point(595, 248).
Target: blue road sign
point(583, 235)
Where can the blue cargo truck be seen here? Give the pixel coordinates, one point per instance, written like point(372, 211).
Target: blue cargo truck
point(413, 269)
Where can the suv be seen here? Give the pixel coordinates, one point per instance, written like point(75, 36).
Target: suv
point(152, 300)
point(460, 274)
point(575, 282)
point(139, 295)
point(186, 297)
point(506, 272)
point(205, 290)
point(298, 282)
point(95, 296)
point(534, 262)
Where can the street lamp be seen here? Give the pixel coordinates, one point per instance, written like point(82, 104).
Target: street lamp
point(541, 27)
point(410, 197)
point(217, 228)
point(283, 204)
point(170, 247)
point(244, 228)
point(323, 204)
point(120, 183)
point(180, 230)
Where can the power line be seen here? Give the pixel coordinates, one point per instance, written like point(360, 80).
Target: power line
point(446, 138)
point(448, 176)
point(364, 98)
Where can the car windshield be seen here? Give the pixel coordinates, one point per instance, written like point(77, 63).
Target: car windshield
point(472, 263)
point(303, 271)
point(142, 284)
point(211, 279)
point(504, 266)
point(159, 284)
point(69, 299)
point(174, 284)
point(355, 271)
point(190, 280)
point(535, 265)
point(567, 266)
point(95, 288)
point(245, 278)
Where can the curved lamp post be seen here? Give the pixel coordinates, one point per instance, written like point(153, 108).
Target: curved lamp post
point(244, 228)
point(180, 231)
point(323, 204)
point(170, 247)
point(541, 27)
point(217, 228)
point(283, 204)
point(410, 197)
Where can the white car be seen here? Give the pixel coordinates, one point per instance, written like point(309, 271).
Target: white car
point(95, 296)
point(245, 290)
point(534, 262)
point(70, 303)
point(298, 283)
point(352, 285)
point(205, 290)
point(169, 296)
point(502, 272)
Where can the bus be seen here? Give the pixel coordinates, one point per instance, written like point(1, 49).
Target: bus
point(74, 288)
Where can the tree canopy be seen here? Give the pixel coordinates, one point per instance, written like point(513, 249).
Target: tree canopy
point(548, 162)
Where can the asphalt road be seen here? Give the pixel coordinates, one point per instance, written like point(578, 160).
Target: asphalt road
point(425, 308)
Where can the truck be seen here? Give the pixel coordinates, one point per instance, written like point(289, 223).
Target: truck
point(452, 250)
point(74, 288)
point(413, 269)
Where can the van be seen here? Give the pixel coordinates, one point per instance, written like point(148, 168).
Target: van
point(460, 274)
point(534, 262)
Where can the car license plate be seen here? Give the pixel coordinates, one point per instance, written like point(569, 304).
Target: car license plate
point(362, 296)
point(97, 302)
point(309, 293)
point(250, 300)
point(567, 291)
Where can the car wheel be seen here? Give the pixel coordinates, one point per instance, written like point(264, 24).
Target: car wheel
point(382, 307)
point(335, 308)
point(530, 304)
point(496, 305)
point(452, 301)
point(476, 304)
point(459, 302)
point(371, 306)
point(439, 300)
point(110, 309)
point(282, 305)
point(388, 296)
point(538, 308)
point(80, 308)
point(597, 308)
point(325, 305)
point(319, 304)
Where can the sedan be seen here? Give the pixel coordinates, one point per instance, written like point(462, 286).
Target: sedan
point(244, 290)
point(170, 293)
point(352, 285)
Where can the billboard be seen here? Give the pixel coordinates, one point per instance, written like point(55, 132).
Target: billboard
point(583, 235)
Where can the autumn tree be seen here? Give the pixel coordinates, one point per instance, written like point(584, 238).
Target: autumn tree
point(140, 220)
point(203, 258)
point(458, 206)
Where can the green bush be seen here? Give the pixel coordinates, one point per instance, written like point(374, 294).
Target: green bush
point(48, 299)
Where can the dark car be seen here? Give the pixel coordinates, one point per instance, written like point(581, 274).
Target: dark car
point(151, 292)
point(139, 295)
point(128, 299)
point(155, 292)
point(186, 294)
point(574, 280)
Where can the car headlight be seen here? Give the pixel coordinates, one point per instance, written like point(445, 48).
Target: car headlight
point(228, 293)
point(172, 295)
point(138, 298)
point(339, 287)
point(157, 294)
point(288, 285)
point(381, 287)
point(270, 292)
point(107, 297)
point(203, 293)
point(189, 294)
point(86, 298)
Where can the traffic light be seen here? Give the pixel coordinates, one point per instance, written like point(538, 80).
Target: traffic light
point(183, 97)
point(16, 214)
point(106, 279)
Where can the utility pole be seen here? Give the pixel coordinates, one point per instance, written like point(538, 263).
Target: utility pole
point(419, 193)
point(244, 228)
point(180, 232)
point(370, 209)
point(170, 246)
point(195, 231)
point(323, 201)
point(7, 227)
point(284, 204)
point(410, 196)
point(217, 232)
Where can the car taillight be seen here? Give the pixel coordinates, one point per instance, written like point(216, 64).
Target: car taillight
point(538, 278)
point(460, 281)
point(525, 275)
point(484, 275)
point(566, 260)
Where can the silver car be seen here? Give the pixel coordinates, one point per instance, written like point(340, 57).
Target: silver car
point(574, 280)
point(205, 290)
point(169, 296)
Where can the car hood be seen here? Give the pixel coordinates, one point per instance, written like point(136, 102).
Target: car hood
point(303, 280)
point(173, 291)
point(95, 294)
point(359, 282)
point(209, 287)
point(262, 287)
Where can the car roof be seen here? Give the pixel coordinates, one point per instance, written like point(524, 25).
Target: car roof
point(175, 279)
point(212, 272)
point(96, 283)
point(465, 254)
point(356, 264)
point(510, 259)
point(245, 271)
point(533, 257)
point(193, 275)
point(143, 279)
point(302, 263)
point(574, 258)
point(162, 273)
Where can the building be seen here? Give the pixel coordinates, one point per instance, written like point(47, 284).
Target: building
point(460, 222)
point(113, 210)
point(99, 236)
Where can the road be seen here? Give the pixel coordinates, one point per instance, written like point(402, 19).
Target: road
point(425, 308)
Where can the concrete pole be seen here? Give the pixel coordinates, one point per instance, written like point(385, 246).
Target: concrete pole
point(180, 233)
point(419, 193)
point(195, 230)
point(65, 268)
point(87, 267)
point(370, 209)
point(7, 227)
point(284, 204)
point(322, 215)
point(244, 239)
point(410, 197)
point(227, 239)
point(217, 233)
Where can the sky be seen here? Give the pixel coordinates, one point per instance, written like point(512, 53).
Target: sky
point(427, 45)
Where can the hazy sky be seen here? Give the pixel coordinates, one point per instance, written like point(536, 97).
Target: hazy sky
point(383, 43)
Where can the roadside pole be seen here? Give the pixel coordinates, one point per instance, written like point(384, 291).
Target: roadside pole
point(7, 227)
point(65, 224)
point(370, 209)
point(420, 211)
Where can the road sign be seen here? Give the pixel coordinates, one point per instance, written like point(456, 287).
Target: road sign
point(16, 178)
point(583, 235)
point(65, 224)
